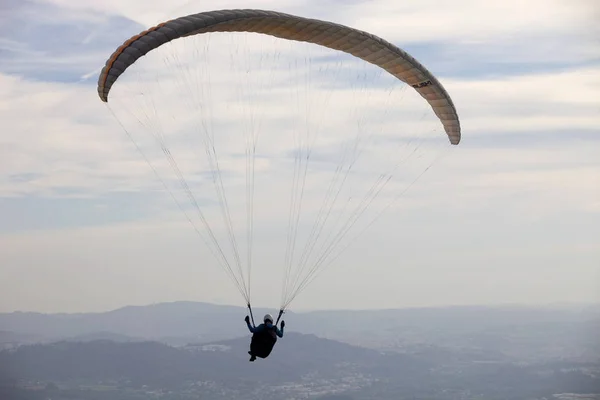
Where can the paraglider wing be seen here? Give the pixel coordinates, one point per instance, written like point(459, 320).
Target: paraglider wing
point(360, 44)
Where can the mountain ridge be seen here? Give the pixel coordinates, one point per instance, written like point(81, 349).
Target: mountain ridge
point(468, 327)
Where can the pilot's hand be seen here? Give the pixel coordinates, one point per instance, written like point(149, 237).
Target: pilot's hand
point(247, 319)
point(282, 324)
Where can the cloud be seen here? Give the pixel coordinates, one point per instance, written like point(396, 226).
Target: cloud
point(470, 20)
point(58, 44)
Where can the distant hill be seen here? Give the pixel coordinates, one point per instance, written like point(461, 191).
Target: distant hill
point(511, 331)
point(300, 365)
point(152, 363)
point(106, 336)
point(10, 339)
point(181, 319)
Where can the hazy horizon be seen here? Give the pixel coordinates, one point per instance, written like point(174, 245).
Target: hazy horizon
point(551, 305)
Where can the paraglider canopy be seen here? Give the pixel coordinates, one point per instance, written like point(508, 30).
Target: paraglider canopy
point(338, 37)
point(155, 107)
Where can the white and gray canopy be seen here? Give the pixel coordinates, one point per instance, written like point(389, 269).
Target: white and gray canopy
point(358, 43)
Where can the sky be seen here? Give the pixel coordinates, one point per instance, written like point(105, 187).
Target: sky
point(510, 215)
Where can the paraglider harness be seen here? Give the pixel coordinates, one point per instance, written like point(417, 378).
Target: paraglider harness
point(263, 342)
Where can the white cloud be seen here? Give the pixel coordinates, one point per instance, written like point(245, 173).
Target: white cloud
point(519, 30)
point(472, 20)
point(65, 128)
